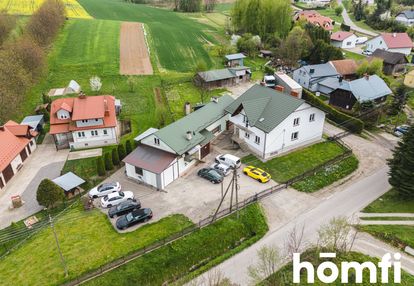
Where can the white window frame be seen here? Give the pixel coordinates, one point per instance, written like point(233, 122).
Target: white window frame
point(296, 121)
point(257, 140)
point(312, 117)
point(294, 136)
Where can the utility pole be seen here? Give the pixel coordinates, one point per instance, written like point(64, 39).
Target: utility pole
point(58, 246)
point(236, 183)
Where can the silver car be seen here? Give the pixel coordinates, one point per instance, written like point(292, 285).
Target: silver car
point(224, 169)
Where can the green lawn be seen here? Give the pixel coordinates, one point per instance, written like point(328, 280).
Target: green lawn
point(87, 241)
point(284, 277)
point(391, 202)
point(410, 100)
point(192, 255)
point(329, 12)
point(224, 7)
point(293, 164)
point(397, 235)
point(327, 176)
point(179, 42)
point(353, 56)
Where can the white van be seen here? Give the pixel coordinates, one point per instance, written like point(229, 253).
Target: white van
point(229, 160)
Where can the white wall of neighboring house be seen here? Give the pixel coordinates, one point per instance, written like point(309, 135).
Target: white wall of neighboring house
point(147, 176)
point(378, 43)
point(402, 19)
point(84, 138)
point(162, 146)
point(348, 43)
point(16, 162)
point(301, 77)
point(221, 122)
point(279, 140)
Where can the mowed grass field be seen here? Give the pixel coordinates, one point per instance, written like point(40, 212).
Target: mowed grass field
point(27, 7)
point(179, 42)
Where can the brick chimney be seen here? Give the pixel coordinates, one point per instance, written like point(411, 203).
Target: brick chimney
point(106, 107)
point(279, 88)
point(294, 93)
point(82, 95)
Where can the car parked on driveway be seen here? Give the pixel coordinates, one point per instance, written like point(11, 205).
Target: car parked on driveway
point(124, 208)
point(211, 174)
point(104, 189)
point(134, 217)
point(399, 131)
point(116, 198)
point(257, 174)
point(224, 169)
point(229, 160)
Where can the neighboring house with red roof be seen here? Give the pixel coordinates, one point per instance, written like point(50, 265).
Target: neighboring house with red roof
point(313, 17)
point(84, 121)
point(17, 142)
point(392, 42)
point(344, 40)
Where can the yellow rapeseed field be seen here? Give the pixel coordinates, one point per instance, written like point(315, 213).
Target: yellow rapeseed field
point(27, 7)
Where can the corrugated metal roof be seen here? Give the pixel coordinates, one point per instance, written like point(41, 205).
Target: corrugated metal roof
point(320, 70)
point(68, 181)
point(265, 108)
point(334, 83)
point(235, 56)
point(370, 88)
point(214, 75)
point(32, 120)
point(145, 134)
point(150, 159)
point(175, 134)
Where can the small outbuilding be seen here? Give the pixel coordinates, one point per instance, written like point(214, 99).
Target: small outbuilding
point(36, 122)
point(235, 60)
point(222, 77)
point(394, 63)
point(70, 183)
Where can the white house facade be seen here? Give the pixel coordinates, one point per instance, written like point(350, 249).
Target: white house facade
point(344, 40)
point(392, 42)
point(271, 123)
point(405, 17)
point(309, 76)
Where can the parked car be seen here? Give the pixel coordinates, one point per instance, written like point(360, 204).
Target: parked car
point(124, 208)
point(229, 160)
point(116, 198)
point(224, 169)
point(104, 189)
point(257, 174)
point(134, 217)
point(399, 131)
point(366, 52)
point(211, 174)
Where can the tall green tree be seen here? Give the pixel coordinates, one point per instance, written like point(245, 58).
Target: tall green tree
point(121, 151)
point(402, 166)
point(128, 146)
point(115, 157)
point(48, 193)
point(100, 166)
point(399, 100)
point(108, 162)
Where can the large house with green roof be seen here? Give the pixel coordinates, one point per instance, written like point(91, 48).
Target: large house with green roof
point(164, 155)
point(270, 122)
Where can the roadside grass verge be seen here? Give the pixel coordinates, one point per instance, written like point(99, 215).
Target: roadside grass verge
point(284, 277)
point(188, 257)
point(87, 241)
point(394, 218)
point(397, 235)
point(391, 202)
point(286, 167)
point(327, 176)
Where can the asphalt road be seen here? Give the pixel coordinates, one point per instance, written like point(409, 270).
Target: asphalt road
point(349, 22)
point(343, 203)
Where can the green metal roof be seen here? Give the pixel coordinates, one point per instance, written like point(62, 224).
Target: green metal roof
point(265, 108)
point(174, 135)
point(214, 75)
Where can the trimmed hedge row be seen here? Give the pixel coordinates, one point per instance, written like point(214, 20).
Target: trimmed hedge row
point(353, 124)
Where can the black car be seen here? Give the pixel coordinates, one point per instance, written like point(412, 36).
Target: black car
point(211, 174)
point(124, 208)
point(134, 217)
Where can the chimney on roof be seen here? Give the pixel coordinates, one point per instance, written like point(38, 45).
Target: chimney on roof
point(366, 76)
point(294, 93)
point(106, 107)
point(214, 99)
point(2, 128)
point(394, 35)
point(311, 71)
point(279, 88)
point(187, 108)
point(340, 79)
point(189, 135)
point(82, 95)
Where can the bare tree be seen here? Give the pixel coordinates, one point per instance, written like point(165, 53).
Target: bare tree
point(338, 235)
point(294, 241)
point(269, 259)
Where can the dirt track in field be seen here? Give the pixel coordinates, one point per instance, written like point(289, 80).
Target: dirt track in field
point(134, 56)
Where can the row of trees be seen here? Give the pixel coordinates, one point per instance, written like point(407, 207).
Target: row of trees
point(22, 60)
point(113, 158)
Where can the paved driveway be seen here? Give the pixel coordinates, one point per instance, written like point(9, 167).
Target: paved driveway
point(45, 162)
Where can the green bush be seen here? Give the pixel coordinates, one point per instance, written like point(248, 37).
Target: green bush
point(121, 151)
point(128, 146)
point(351, 123)
point(115, 157)
point(48, 193)
point(100, 166)
point(108, 162)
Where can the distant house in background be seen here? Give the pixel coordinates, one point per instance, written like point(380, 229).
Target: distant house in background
point(409, 79)
point(17, 142)
point(368, 88)
point(290, 86)
point(344, 40)
point(405, 17)
point(222, 77)
point(314, 18)
point(84, 121)
point(36, 122)
point(309, 76)
point(393, 62)
point(235, 60)
point(270, 123)
point(346, 68)
point(392, 42)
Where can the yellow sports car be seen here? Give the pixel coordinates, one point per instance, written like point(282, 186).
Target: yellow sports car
point(257, 174)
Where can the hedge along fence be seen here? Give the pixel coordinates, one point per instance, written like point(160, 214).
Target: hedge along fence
point(353, 124)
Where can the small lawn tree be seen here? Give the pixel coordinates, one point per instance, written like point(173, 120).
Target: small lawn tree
point(128, 146)
point(402, 166)
point(48, 194)
point(108, 162)
point(100, 166)
point(338, 10)
point(115, 157)
point(121, 151)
